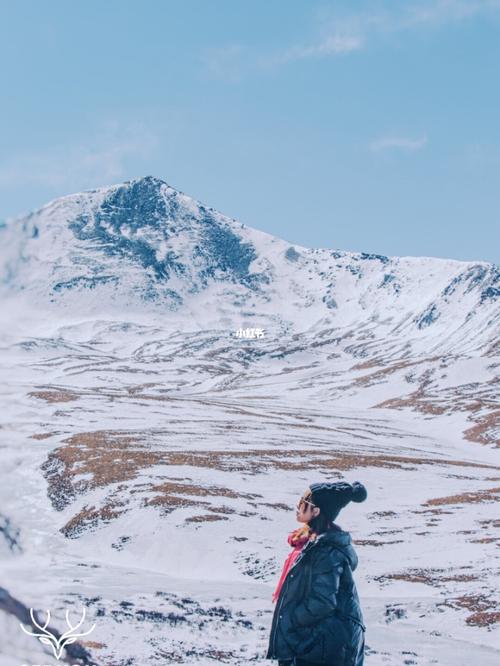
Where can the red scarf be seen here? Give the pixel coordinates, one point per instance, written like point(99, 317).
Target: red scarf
point(297, 539)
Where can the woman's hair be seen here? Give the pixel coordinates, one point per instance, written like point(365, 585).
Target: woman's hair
point(320, 523)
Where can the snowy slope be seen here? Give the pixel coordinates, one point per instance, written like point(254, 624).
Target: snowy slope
point(150, 459)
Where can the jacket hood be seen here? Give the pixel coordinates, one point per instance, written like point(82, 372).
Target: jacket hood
point(340, 540)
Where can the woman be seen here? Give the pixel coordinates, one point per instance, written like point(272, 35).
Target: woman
point(318, 619)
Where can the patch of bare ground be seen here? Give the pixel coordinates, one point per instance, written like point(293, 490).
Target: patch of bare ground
point(490, 522)
point(273, 505)
point(432, 577)
point(493, 349)
point(485, 540)
point(171, 494)
point(385, 532)
point(483, 618)
point(416, 401)
point(55, 395)
point(171, 502)
point(107, 457)
point(463, 477)
point(485, 611)
point(205, 518)
point(473, 497)
point(434, 511)
point(369, 379)
point(214, 654)
point(138, 388)
point(366, 364)
point(486, 430)
point(94, 645)
point(43, 435)
point(286, 371)
point(90, 517)
point(383, 514)
point(374, 542)
point(222, 509)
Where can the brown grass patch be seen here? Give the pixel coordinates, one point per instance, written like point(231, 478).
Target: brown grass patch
point(482, 615)
point(93, 645)
point(55, 395)
point(206, 518)
point(43, 435)
point(366, 364)
point(273, 505)
point(433, 511)
point(139, 388)
point(108, 457)
point(374, 542)
point(415, 401)
point(389, 370)
point(173, 495)
point(173, 502)
point(473, 497)
point(222, 509)
point(486, 429)
point(483, 618)
point(432, 577)
point(90, 517)
point(171, 492)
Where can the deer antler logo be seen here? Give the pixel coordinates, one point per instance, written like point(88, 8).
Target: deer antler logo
point(48, 638)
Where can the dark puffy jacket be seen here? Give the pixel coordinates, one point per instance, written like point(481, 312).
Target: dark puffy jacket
point(318, 616)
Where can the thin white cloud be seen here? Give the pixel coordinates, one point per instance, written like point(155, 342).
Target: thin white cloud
point(334, 44)
point(231, 63)
point(418, 15)
point(401, 143)
point(103, 159)
point(341, 34)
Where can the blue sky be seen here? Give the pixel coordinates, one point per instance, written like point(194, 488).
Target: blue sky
point(362, 126)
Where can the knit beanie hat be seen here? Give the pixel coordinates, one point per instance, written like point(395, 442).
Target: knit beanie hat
point(332, 497)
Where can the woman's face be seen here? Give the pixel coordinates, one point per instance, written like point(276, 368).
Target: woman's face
point(306, 510)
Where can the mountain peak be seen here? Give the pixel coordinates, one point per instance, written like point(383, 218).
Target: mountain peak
point(145, 183)
point(141, 239)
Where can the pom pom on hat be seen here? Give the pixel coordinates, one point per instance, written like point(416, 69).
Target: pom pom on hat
point(359, 493)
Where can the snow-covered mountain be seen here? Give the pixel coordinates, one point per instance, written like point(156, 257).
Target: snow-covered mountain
point(144, 245)
point(150, 458)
